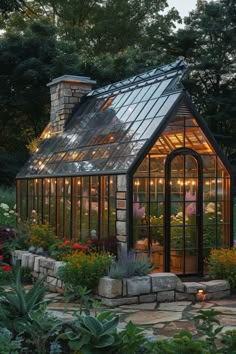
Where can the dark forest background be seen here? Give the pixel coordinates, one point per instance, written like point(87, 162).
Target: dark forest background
point(110, 40)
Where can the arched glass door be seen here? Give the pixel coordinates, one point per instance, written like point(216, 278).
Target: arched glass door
point(183, 213)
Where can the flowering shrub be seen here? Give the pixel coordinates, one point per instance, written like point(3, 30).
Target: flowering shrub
point(84, 269)
point(41, 235)
point(222, 265)
point(7, 215)
point(5, 270)
point(62, 248)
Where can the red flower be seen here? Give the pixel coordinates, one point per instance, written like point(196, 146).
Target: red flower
point(1, 257)
point(76, 246)
point(7, 268)
point(89, 241)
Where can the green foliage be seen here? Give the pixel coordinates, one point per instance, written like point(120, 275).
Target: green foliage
point(17, 304)
point(9, 345)
point(29, 59)
point(94, 334)
point(84, 270)
point(222, 265)
point(205, 323)
point(7, 207)
point(208, 42)
point(130, 265)
point(229, 339)
point(40, 328)
point(41, 235)
point(131, 339)
point(183, 343)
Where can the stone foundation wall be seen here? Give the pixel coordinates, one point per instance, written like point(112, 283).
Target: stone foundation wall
point(159, 287)
point(41, 266)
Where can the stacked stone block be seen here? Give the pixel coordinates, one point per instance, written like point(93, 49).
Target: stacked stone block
point(121, 214)
point(41, 266)
point(66, 92)
point(158, 287)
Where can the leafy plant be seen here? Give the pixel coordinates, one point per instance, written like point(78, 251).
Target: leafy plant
point(182, 342)
point(41, 327)
point(17, 304)
point(9, 345)
point(84, 270)
point(94, 335)
point(229, 339)
point(222, 265)
point(205, 323)
point(130, 265)
point(8, 207)
point(41, 235)
point(131, 339)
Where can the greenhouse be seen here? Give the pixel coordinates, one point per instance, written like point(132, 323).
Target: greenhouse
point(135, 162)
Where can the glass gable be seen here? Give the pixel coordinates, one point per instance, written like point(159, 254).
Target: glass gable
point(168, 207)
point(110, 126)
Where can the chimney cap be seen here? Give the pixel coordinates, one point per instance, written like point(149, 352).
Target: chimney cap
point(72, 79)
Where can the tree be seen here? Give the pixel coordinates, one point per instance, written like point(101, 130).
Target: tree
point(28, 61)
point(208, 43)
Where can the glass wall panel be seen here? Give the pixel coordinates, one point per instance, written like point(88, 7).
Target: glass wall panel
point(60, 207)
point(67, 208)
point(112, 206)
point(46, 200)
point(85, 208)
point(184, 209)
point(76, 197)
point(53, 201)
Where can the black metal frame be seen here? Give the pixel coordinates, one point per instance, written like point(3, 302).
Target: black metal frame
point(199, 201)
point(184, 98)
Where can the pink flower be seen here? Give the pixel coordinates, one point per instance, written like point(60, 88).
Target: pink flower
point(191, 209)
point(138, 212)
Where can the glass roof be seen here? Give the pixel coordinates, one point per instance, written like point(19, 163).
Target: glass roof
point(110, 127)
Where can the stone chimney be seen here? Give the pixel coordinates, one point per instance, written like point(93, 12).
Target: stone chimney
point(66, 91)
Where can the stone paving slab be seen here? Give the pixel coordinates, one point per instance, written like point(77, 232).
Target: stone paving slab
point(159, 321)
point(179, 306)
point(147, 317)
point(175, 327)
point(147, 306)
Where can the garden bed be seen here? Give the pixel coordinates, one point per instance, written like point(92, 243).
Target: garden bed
point(156, 287)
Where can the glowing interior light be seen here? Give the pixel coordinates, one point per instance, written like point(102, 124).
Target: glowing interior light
point(66, 181)
point(161, 182)
point(151, 183)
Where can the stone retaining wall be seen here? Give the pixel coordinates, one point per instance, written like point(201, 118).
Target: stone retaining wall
point(41, 266)
point(157, 287)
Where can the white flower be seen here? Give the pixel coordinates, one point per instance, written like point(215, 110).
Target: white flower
point(6, 214)
point(210, 208)
point(4, 206)
point(11, 212)
point(14, 207)
point(179, 214)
